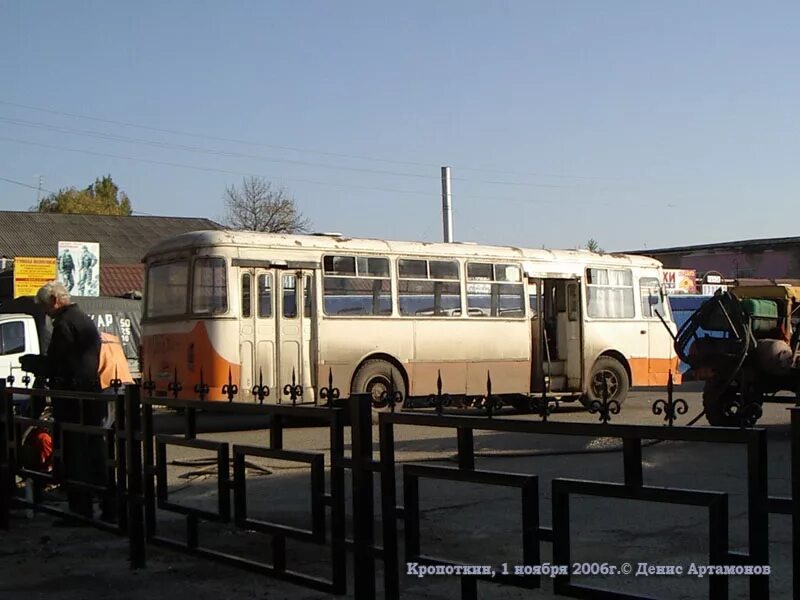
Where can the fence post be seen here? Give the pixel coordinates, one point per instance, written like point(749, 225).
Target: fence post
point(363, 507)
point(133, 460)
point(796, 500)
point(6, 474)
point(391, 576)
point(338, 509)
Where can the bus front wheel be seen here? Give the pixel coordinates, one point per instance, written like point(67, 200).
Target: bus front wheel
point(377, 378)
point(610, 370)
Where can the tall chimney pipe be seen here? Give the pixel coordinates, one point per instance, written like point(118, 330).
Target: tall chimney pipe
point(447, 206)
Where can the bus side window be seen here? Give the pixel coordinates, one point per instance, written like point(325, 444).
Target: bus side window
point(495, 290)
point(356, 286)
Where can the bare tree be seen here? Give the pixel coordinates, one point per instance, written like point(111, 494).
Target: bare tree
point(256, 206)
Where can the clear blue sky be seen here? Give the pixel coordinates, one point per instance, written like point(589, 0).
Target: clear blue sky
point(636, 123)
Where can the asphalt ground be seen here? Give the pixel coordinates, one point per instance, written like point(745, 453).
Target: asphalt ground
point(467, 523)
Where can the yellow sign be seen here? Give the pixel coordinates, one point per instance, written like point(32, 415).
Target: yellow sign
point(31, 273)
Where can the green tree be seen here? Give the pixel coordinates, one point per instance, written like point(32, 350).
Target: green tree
point(594, 246)
point(103, 197)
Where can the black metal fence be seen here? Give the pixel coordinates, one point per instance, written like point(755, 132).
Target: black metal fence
point(136, 482)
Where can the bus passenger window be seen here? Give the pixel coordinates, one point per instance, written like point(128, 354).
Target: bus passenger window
point(495, 290)
point(210, 286)
point(609, 293)
point(428, 288)
point(265, 295)
point(289, 296)
point(246, 295)
point(356, 286)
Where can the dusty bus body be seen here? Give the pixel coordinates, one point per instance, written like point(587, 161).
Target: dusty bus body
point(284, 309)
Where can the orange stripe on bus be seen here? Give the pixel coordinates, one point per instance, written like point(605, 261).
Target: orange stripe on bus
point(163, 354)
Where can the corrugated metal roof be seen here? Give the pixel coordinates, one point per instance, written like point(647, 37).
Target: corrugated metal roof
point(123, 240)
point(765, 242)
point(116, 280)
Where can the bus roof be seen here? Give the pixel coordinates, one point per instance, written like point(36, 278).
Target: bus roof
point(258, 240)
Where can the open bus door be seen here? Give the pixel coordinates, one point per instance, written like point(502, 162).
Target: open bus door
point(556, 334)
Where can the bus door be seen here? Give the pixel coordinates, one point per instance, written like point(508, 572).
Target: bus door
point(660, 350)
point(294, 312)
point(257, 331)
point(560, 346)
point(247, 331)
point(572, 323)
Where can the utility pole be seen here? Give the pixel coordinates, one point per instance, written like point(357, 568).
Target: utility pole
point(447, 206)
point(39, 191)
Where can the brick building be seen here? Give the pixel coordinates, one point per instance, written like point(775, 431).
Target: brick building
point(773, 258)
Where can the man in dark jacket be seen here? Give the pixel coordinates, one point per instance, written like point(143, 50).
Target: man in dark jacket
point(72, 364)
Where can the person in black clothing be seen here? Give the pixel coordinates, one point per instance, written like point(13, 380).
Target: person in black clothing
point(72, 363)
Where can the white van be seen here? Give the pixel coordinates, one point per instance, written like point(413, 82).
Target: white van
point(18, 336)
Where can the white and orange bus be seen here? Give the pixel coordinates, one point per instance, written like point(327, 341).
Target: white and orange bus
point(266, 307)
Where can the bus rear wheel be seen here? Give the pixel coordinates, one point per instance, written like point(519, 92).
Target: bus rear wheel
point(610, 370)
point(377, 378)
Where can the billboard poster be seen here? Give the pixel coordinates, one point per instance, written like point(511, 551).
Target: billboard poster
point(680, 281)
point(31, 273)
point(79, 267)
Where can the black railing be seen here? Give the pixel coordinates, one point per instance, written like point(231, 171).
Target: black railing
point(137, 480)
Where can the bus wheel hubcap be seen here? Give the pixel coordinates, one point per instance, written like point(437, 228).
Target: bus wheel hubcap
point(377, 387)
point(611, 383)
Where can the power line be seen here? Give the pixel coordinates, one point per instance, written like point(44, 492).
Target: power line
point(210, 137)
point(118, 138)
point(280, 147)
point(14, 181)
point(206, 169)
point(33, 187)
point(249, 174)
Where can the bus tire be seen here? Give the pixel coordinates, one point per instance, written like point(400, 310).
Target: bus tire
point(376, 376)
point(616, 378)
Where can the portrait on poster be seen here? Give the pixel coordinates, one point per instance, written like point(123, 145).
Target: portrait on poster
point(79, 267)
